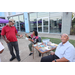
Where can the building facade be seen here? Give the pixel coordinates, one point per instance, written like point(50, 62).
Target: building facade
point(43, 22)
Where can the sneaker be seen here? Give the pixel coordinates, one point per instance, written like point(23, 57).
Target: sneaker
point(19, 60)
point(30, 54)
point(12, 58)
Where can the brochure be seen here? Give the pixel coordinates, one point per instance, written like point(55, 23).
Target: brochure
point(1, 46)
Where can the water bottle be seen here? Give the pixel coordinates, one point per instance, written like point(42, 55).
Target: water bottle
point(46, 43)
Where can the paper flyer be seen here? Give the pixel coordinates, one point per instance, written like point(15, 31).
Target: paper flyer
point(1, 46)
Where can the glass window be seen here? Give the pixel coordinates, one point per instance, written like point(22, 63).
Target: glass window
point(19, 22)
point(9, 18)
point(55, 24)
point(39, 25)
point(22, 24)
point(16, 22)
point(43, 14)
point(53, 14)
point(45, 25)
point(33, 21)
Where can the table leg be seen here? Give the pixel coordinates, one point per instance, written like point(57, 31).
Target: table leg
point(33, 52)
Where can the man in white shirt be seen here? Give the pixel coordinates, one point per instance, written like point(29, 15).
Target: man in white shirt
point(65, 52)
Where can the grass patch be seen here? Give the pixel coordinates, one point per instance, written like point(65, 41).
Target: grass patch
point(57, 41)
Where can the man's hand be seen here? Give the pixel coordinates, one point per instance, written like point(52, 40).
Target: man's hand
point(52, 53)
point(53, 61)
point(21, 35)
point(7, 41)
point(26, 35)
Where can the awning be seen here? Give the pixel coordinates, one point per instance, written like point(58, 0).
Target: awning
point(3, 21)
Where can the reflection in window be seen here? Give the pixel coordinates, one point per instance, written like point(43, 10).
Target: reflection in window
point(45, 25)
point(9, 18)
point(19, 22)
point(53, 14)
point(40, 25)
point(22, 24)
point(43, 14)
point(16, 22)
point(33, 21)
point(55, 24)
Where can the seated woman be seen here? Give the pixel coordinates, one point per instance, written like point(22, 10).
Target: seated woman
point(34, 39)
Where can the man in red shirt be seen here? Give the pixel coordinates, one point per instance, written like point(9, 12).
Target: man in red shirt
point(10, 32)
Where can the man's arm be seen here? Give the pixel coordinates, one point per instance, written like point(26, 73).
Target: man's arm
point(7, 41)
point(61, 60)
point(26, 35)
point(19, 35)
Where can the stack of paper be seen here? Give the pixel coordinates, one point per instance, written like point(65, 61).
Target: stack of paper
point(1, 46)
point(48, 48)
point(26, 38)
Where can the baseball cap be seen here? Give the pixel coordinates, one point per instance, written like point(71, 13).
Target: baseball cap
point(11, 20)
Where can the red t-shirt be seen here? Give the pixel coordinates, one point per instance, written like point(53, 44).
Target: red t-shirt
point(10, 33)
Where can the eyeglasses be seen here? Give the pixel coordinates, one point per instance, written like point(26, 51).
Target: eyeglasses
point(11, 21)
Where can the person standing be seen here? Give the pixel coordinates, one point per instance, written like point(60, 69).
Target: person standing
point(10, 32)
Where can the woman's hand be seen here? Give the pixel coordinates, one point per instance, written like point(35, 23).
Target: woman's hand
point(52, 53)
point(30, 39)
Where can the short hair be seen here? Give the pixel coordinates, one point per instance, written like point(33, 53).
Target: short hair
point(36, 33)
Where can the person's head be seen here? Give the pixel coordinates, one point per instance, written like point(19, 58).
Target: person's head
point(11, 22)
point(35, 33)
point(64, 38)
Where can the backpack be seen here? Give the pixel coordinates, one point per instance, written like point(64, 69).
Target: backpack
point(39, 39)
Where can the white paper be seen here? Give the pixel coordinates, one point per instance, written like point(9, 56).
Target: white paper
point(39, 43)
point(47, 48)
point(1, 46)
point(26, 38)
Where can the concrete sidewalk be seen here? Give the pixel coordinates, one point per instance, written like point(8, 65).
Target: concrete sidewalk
point(24, 50)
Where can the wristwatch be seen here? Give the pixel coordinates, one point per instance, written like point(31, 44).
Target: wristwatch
point(55, 60)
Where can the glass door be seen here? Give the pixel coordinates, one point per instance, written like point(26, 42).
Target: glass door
point(39, 25)
point(45, 24)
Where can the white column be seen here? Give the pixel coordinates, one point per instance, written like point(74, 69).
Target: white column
point(66, 22)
